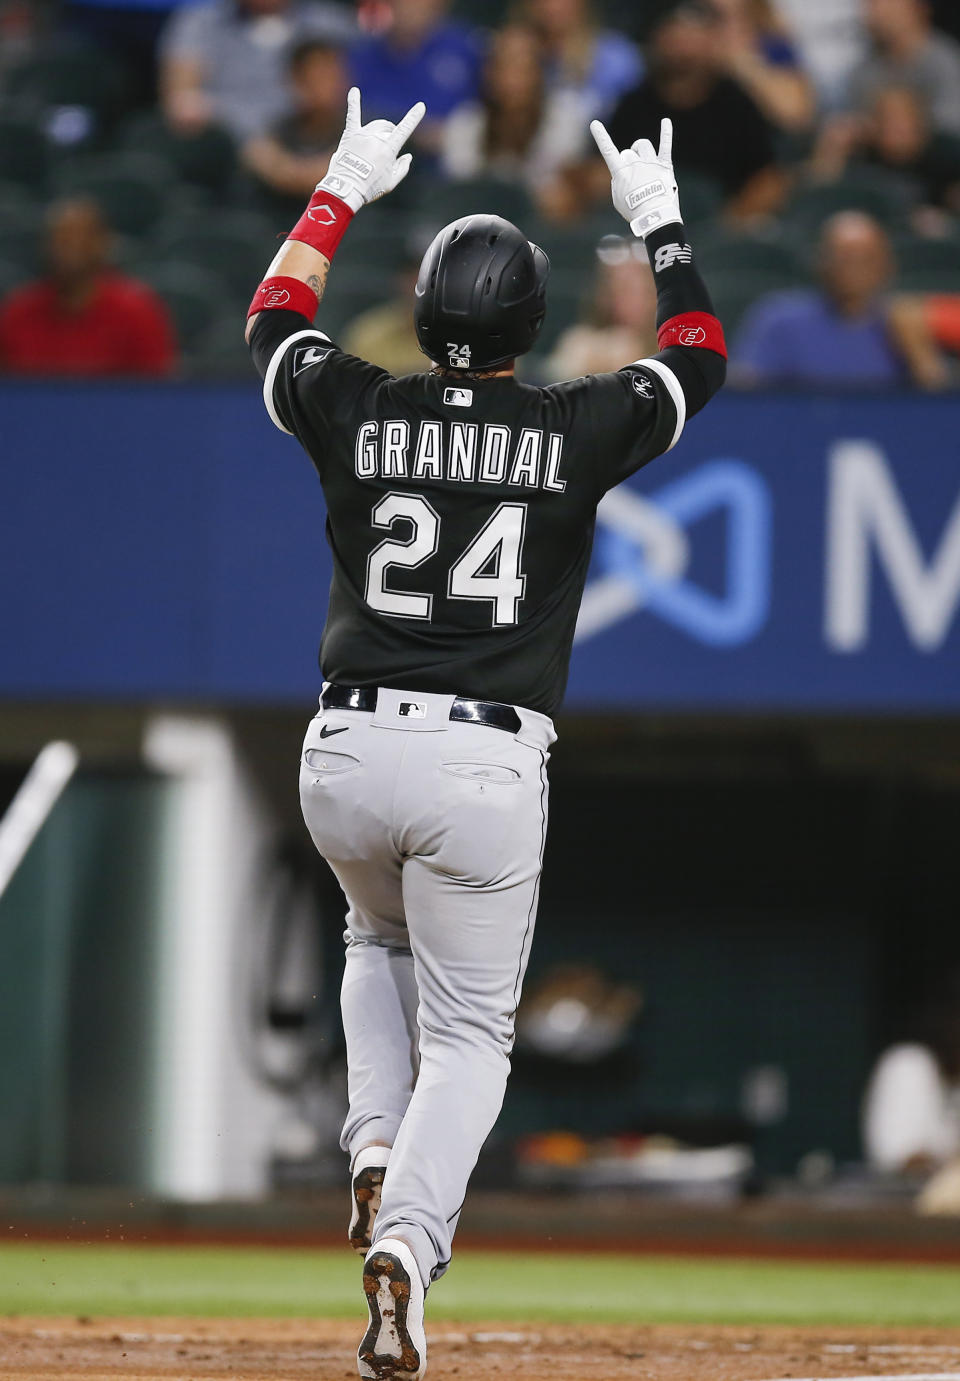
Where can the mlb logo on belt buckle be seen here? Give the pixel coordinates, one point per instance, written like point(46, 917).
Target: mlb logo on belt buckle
point(412, 709)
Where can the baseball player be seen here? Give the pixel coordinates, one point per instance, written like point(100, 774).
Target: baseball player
point(461, 508)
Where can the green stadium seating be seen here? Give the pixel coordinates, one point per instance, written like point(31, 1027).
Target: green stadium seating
point(17, 200)
point(24, 154)
point(352, 289)
point(494, 12)
point(928, 265)
point(11, 276)
point(878, 193)
point(448, 201)
point(194, 297)
point(736, 290)
point(21, 236)
point(81, 78)
point(566, 297)
point(236, 248)
point(700, 198)
point(721, 252)
point(133, 189)
point(206, 159)
point(572, 248)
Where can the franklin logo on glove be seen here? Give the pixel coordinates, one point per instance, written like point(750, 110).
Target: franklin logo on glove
point(655, 189)
point(355, 164)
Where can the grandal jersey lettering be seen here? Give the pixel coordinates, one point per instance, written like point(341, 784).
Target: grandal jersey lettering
point(463, 452)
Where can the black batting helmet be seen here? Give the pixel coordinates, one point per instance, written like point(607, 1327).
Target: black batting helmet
point(481, 294)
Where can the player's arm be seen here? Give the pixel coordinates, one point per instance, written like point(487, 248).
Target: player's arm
point(692, 358)
point(367, 164)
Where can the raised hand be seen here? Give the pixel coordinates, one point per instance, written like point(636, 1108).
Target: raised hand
point(643, 184)
point(368, 163)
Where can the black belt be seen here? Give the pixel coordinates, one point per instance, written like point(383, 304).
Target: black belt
point(489, 712)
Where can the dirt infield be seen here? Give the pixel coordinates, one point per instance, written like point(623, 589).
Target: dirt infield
point(51, 1349)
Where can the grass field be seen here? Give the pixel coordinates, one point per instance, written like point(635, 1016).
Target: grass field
point(235, 1282)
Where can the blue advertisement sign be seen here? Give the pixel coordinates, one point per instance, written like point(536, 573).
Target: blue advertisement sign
point(790, 554)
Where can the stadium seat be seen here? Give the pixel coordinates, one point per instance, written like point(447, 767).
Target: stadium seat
point(736, 290)
point(700, 198)
point(448, 201)
point(565, 300)
point(572, 248)
point(236, 248)
point(24, 154)
point(131, 188)
point(17, 200)
point(494, 11)
point(205, 159)
point(194, 297)
point(878, 193)
point(11, 276)
point(21, 236)
point(81, 79)
point(352, 289)
point(928, 265)
point(725, 253)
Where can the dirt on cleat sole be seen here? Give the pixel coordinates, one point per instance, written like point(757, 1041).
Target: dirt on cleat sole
point(367, 1189)
point(386, 1285)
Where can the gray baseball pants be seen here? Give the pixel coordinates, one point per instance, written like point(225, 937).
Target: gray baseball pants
point(435, 831)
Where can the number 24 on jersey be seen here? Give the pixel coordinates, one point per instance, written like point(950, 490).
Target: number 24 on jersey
point(489, 569)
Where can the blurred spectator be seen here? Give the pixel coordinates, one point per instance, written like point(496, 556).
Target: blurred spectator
point(896, 136)
point(24, 28)
point(384, 334)
point(908, 51)
point(759, 55)
point(423, 56)
point(130, 30)
point(225, 61)
point(911, 1112)
point(291, 159)
point(718, 130)
point(831, 39)
point(833, 337)
point(620, 319)
point(83, 318)
point(598, 64)
point(926, 328)
point(517, 131)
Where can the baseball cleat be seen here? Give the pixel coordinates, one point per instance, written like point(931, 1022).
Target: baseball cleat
point(394, 1347)
point(366, 1186)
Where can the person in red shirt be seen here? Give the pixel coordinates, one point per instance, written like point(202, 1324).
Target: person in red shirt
point(84, 318)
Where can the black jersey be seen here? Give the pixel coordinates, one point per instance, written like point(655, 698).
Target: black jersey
point(461, 513)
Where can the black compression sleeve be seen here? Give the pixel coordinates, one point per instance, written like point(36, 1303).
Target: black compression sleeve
point(269, 330)
point(680, 289)
point(679, 285)
point(701, 373)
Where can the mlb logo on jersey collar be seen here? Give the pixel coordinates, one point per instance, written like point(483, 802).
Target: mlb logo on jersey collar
point(458, 397)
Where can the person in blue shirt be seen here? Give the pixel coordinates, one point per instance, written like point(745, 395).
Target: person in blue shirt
point(597, 63)
point(423, 56)
point(834, 336)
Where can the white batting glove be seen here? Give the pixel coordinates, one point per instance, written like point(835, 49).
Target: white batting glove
point(644, 187)
point(366, 164)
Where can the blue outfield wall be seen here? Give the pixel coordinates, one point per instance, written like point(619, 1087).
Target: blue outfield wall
point(791, 553)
